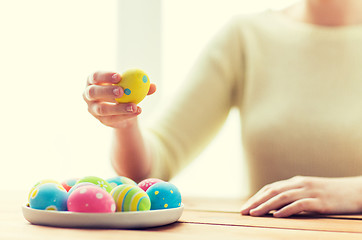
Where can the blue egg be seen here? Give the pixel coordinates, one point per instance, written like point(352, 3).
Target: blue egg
point(119, 180)
point(164, 195)
point(49, 196)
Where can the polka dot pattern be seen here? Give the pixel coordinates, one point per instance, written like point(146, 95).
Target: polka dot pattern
point(78, 185)
point(90, 194)
point(51, 208)
point(49, 196)
point(145, 184)
point(164, 195)
point(135, 84)
point(92, 199)
point(127, 91)
point(144, 79)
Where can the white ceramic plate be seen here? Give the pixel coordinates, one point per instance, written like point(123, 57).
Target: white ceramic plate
point(125, 220)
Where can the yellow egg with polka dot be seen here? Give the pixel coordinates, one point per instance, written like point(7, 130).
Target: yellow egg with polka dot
point(135, 84)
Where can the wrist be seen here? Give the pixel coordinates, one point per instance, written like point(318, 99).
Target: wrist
point(126, 124)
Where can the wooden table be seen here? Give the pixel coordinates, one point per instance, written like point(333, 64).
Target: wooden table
point(202, 219)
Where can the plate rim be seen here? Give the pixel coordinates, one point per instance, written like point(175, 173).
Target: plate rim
point(135, 219)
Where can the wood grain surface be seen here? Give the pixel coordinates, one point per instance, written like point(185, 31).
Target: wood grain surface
point(202, 219)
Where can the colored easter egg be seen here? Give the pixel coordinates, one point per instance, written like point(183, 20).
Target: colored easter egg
point(145, 184)
point(130, 198)
point(78, 185)
point(91, 199)
point(49, 196)
point(97, 181)
point(40, 183)
point(164, 195)
point(135, 84)
point(69, 183)
point(119, 180)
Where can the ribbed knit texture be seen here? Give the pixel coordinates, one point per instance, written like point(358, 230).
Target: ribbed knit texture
point(299, 91)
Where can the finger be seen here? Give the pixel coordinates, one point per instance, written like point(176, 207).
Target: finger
point(117, 121)
point(152, 89)
point(101, 109)
point(306, 204)
point(100, 78)
point(102, 93)
point(268, 192)
point(278, 201)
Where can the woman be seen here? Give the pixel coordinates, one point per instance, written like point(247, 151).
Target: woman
point(295, 76)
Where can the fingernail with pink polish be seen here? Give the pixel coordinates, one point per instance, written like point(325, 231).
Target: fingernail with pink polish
point(117, 92)
point(129, 108)
point(116, 78)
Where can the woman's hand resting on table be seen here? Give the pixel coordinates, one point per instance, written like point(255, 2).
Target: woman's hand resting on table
point(307, 194)
point(100, 96)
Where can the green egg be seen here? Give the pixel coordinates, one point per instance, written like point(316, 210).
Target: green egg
point(129, 197)
point(100, 182)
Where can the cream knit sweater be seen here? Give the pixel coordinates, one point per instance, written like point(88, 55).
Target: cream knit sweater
point(299, 91)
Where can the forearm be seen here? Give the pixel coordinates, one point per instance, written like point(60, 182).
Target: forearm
point(131, 155)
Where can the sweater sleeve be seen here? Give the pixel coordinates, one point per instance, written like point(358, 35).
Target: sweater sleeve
point(193, 118)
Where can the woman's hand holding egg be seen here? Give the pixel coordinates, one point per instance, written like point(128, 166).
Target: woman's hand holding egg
point(103, 88)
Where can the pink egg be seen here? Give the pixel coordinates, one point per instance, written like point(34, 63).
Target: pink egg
point(145, 184)
point(91, 199)
point(76, 186)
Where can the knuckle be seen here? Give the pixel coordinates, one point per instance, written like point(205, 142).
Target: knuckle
point(90, 93)
point(102, 120)
point(316, 194)
point(266, 187)
point(85, 97)
point(304, 181)
point(300, 180)
point(308, 183)
point(96, 109)
point(273, 191)
point(297, 178)
point(284, 197)
point(301, 205)
point(100, 110)
point(94, 77)
point(90, 78)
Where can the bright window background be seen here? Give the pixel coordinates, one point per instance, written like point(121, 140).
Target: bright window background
point(48, 48)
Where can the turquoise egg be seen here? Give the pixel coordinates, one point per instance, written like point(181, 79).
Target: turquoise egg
point(49, 196)
point(119, 180)
point(164, 195)
point(40, 183)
